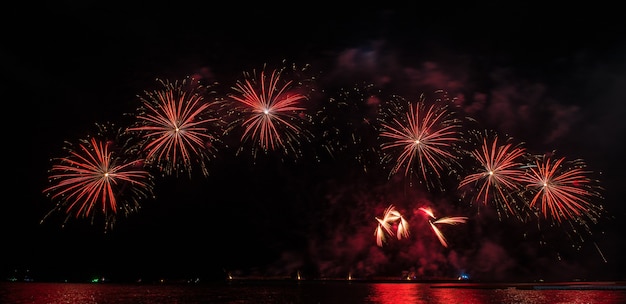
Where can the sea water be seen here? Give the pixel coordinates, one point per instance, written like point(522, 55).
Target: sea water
point(345, 292)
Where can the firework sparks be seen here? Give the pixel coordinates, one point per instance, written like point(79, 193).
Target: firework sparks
point(273, 112)
point(178, 125)
point(433, 221)
point(347, 120)
point(428, 212)
point(423, 134)
point(500, 173)
point(384, 226)
point(563, 189)
point(96, 176)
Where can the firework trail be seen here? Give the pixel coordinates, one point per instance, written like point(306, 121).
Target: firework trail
point(271, 111)
point(433, 221)
point(97, 176)
point(179, 126)
point(384, 226)
point(422, 135)
point(563, 191)
point(499, 175)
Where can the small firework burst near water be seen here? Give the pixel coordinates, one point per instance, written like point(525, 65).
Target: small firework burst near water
point(98, 177)
point(179, 126)
point(449, 220)
point(391, 216)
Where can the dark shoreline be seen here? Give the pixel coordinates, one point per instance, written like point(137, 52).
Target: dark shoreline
point(439, 283)
point(452, 283)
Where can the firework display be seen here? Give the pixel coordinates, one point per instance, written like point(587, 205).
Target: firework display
point(184, 126)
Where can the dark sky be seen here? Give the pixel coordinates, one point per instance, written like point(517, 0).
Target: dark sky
point(552, 78)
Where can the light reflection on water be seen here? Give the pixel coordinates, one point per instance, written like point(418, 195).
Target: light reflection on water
point(387, 293)
point(291, 292)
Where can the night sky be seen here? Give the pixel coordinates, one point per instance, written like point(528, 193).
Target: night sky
point(552, 78)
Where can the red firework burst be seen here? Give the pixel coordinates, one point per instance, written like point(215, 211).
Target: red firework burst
point(500, 172)
point(424, 136)
point(562, 190)
point(271, 112)
point(179, 126)
point(96, 178)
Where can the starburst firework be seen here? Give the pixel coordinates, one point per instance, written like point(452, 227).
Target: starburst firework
point(562, 190)
point(499, 173)
point(98, 177)
point(179, 126)
point(422, 136)
point(271, 111)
